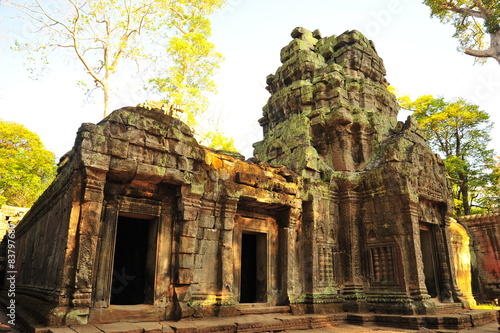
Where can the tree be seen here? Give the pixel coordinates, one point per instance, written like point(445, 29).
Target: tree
point(104, 34)
point(214, 138)
point(490, 195)
point(459, 131)
point(193, 60)
point(476, 22)
point(26, 167)
point(218, 141)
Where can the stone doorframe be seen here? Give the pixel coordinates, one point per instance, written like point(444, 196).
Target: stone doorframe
point(440, 269)
point(267, 226)
point(160, 214)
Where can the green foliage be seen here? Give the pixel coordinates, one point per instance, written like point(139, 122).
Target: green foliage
point(190, 77)
point(489, 198)
point(459, 131)
point(473, 21)
point(109, 37)
point(193, 60)
point(26, 167)
point(218, 141)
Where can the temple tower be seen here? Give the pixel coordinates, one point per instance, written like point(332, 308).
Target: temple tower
point(375, 198)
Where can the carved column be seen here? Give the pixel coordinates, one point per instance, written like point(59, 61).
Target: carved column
point(184, 253)
point(354, 293)
point(163, 296)
point(414, 265)
point(104, 272)
point(202, 290)
point(290, 278)
point(88, 234)
point(227, 215)
point(443, 253)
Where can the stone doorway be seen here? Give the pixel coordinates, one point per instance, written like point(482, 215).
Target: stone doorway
point(253, 287)
point(256, 259)
point(428, 247)
point(132, 279)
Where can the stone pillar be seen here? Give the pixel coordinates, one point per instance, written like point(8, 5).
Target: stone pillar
point(414, 266)
point(290, 277)
point(185, 251)
point(353, 291)
point(203, 294)
point(164, 290)
point(226, 297)
point(89, 225)
point(212, 289)
point(104, 262)
point(68, 274)
point(447, 290)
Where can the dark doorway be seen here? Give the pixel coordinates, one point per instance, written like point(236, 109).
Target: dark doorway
point(253, 268)
point(428, 258)
point(130, 257)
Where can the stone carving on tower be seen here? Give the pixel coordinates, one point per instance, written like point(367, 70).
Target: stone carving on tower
point(370, 179)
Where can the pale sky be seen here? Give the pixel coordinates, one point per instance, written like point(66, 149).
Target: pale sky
point(419, 54)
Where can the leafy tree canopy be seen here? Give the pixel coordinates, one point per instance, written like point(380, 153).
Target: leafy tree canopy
point(476, 23)
point(26, 167)
point(218, 141)
point(111, 37)
point(193, 62)
point(459, 132)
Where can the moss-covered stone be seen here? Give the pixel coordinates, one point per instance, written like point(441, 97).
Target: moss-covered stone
point(338, 200)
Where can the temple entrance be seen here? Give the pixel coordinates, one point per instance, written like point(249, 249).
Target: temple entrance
point(429, 261)
point(253, 268)
point(256, 253)
point(131, 280)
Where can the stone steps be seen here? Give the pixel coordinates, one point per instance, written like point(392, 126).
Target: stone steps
point(262, 309)
point(444, 308)
point(276, 322)
point(437, 322)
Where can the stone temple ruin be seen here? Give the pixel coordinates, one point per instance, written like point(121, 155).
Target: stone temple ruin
point(485, 261)
point(343, 209)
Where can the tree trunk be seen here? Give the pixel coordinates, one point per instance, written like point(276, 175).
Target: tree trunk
point(495, 45)
point(106, 91)
point(493, 50)
point(464, 190)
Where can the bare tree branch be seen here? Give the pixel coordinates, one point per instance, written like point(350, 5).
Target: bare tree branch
point(465, 11)
point(103, 33)
point(480, 53)
point(486, 12)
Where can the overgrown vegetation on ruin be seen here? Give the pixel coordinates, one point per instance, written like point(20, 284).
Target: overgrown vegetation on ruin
point(460, 132)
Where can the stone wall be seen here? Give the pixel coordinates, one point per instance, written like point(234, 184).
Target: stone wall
point(142, 166)
point(485, 249)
